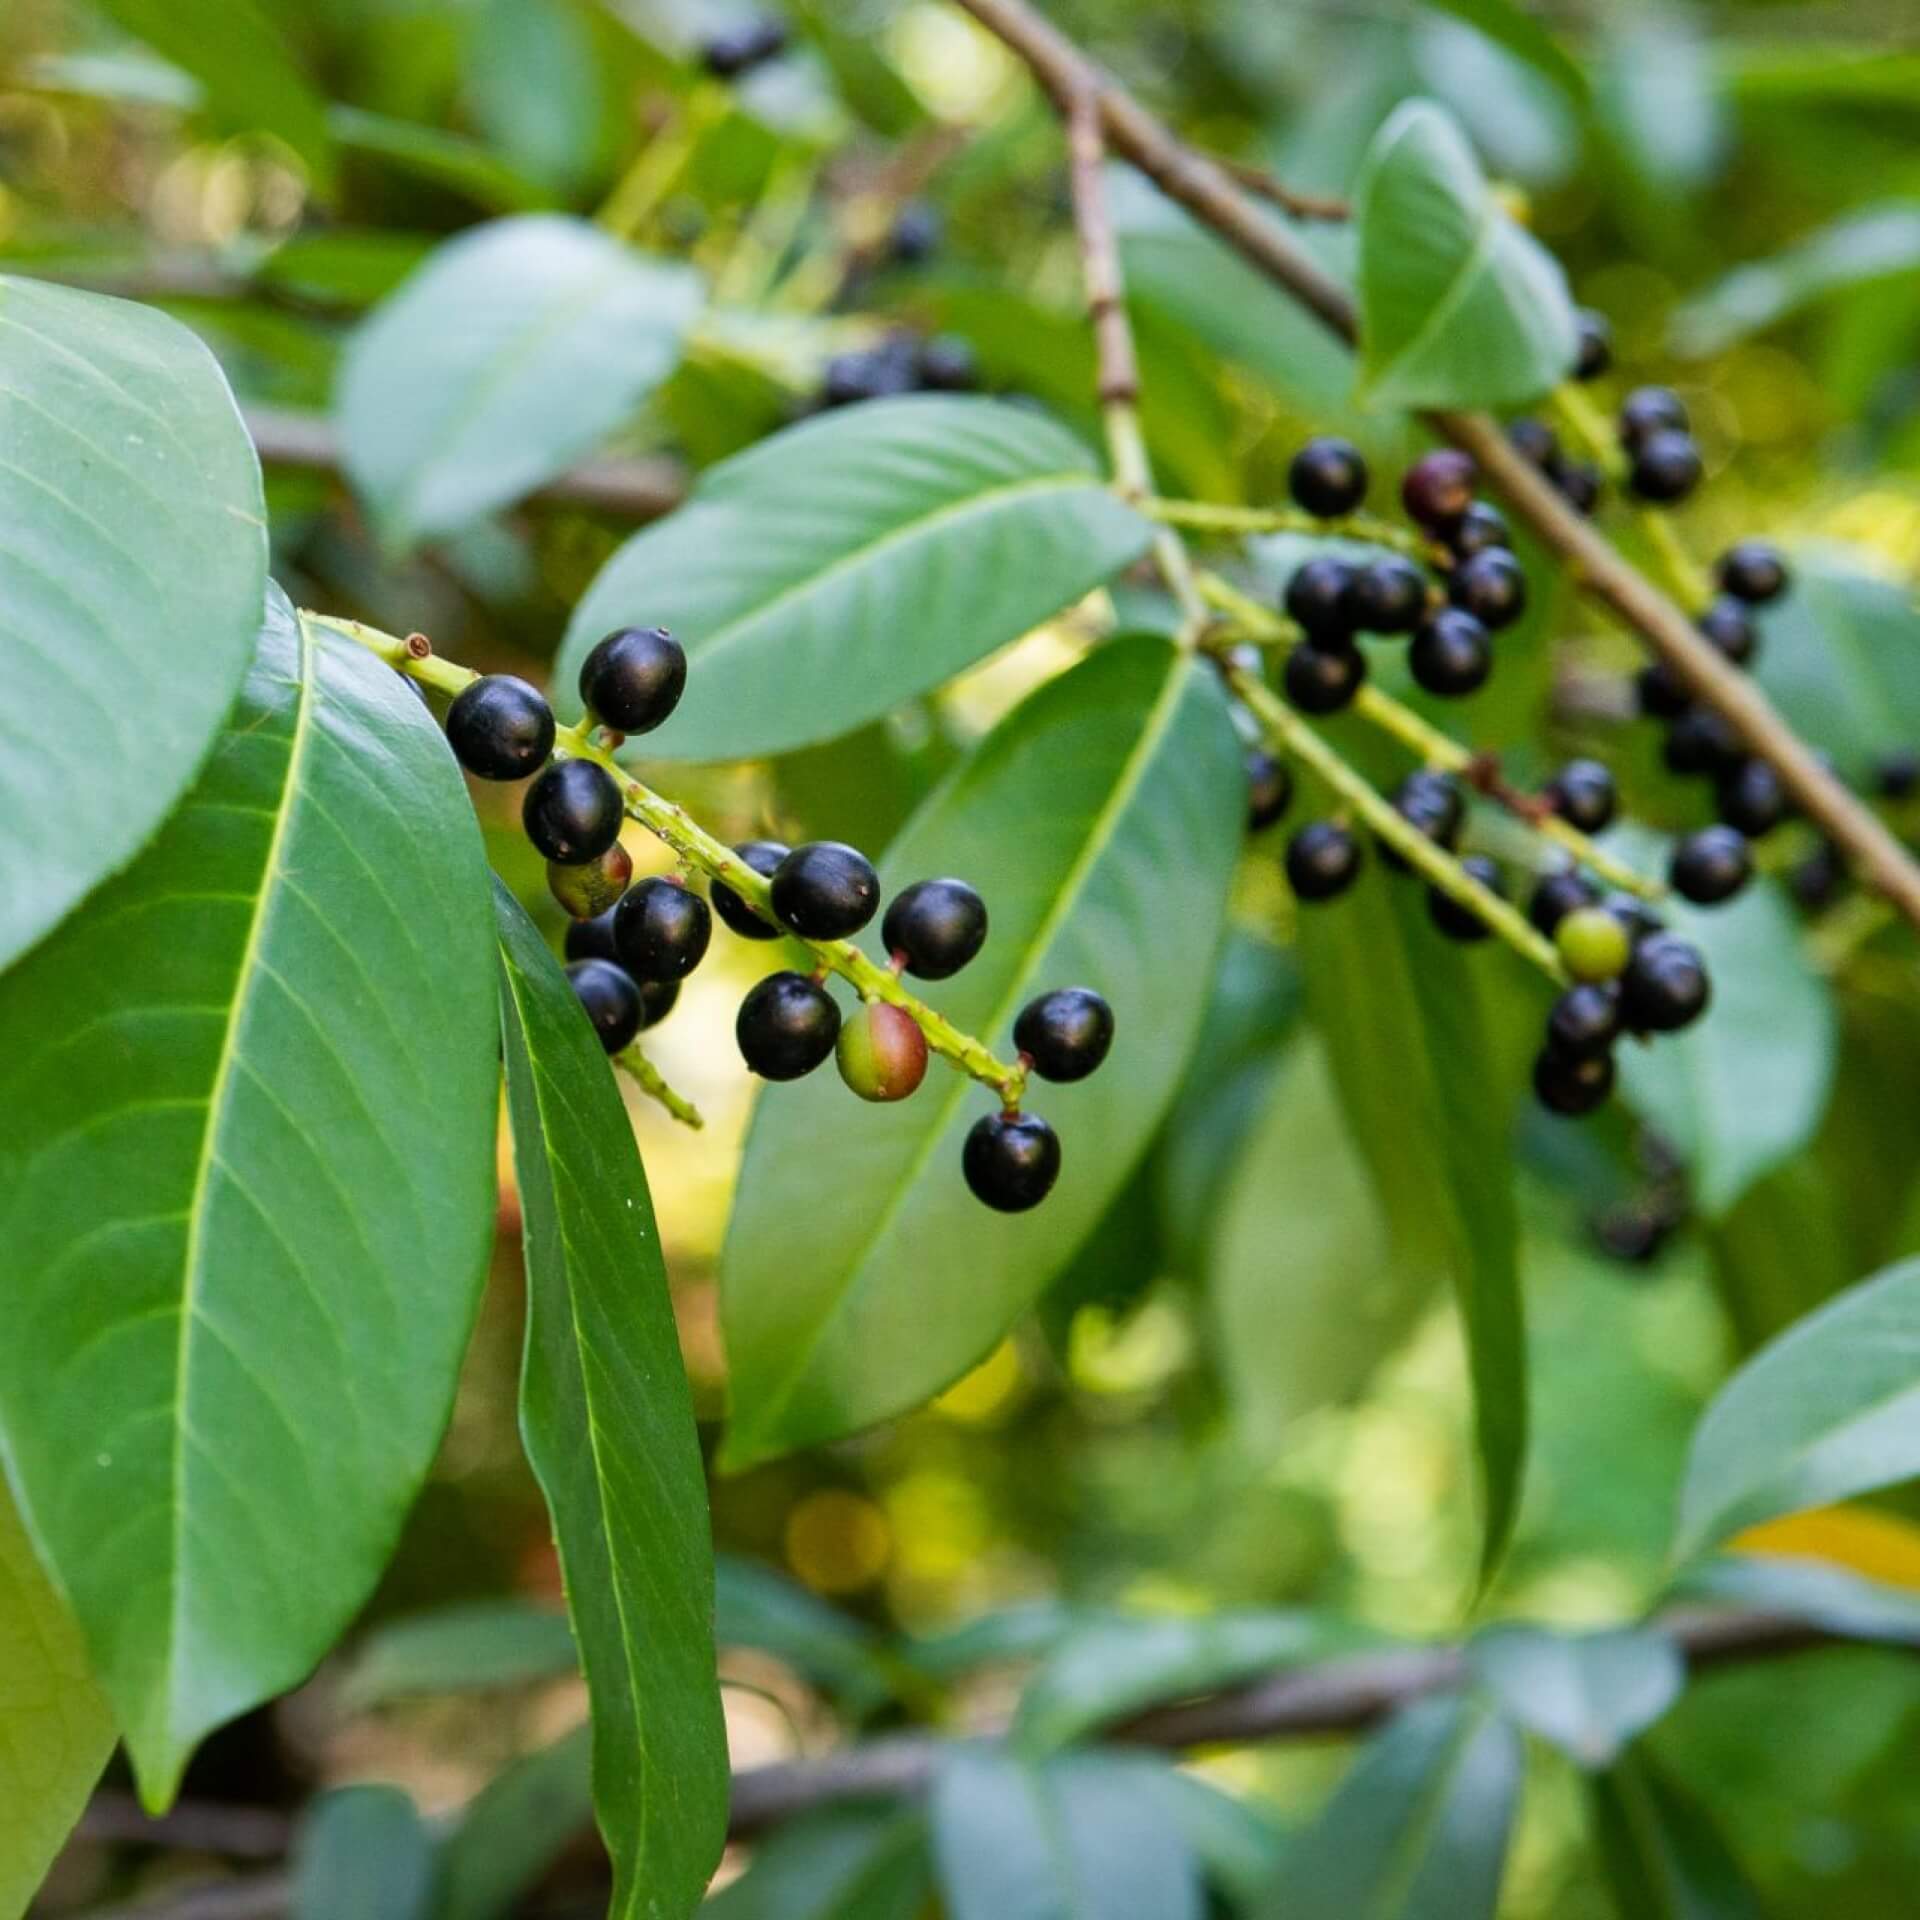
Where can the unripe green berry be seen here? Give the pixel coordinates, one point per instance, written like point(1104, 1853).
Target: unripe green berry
point(594, 885)
point(1594, 945)
point(881, 1052)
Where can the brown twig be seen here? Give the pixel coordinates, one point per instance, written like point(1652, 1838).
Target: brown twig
point(1119, 368)
point(1209, 192)
point(194, 1826)
point(1290, 200)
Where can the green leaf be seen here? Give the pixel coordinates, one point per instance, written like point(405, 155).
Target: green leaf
point(1522, 35)
point(443, 159)
point(1662, 1858)
point(1659, 103)
point(1459, 307)
point(517, 1826)
point(1103, 811)
point(363, 1851)
point(249, 77)
point(133, 554)
point(1746, 1086)
point(1417, 1830)
point(531, 79)
point(516, 348)
point(1237, 1844)
point(1829, 1409)
point(1834, 1598)
point(248, 1094)
point(1021, 1632)
point(1085, 1836)
point(850, 1863)
point(845, 565)
point(1110, 1668)
point(1589, 1693)
point(1384, 988)
point(56, 1731)
point(476, 1647)
point(1305, 1291)
point(756, 1607)
point(608, 1424)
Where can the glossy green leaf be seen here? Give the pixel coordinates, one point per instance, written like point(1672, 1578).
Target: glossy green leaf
point(1303, 1285)
point(246, 1179)
point(531, 79)
point(1111, 1667)
point(56, 1730)
point(1459, 307)
point(442, 159)
point(850, 1863)
point(1829, 1409)
point(1237, 1844)
point(1834, 1598)
point(1417, 1830)
point(1023, 1632)
point(1401, 1013)
point(1589, 1693)
point(363, 1851)
point(482, 1645)
point(1523, 35)
point(1103, 810)
point(754, 1606)
point(514, 1829)
point(608, 1423)
point(518, 347)
point(1658, 96)
point(1085, 1836)
point(245, 69)
point(1661, 1855)
point(1744, 1087)
point(133, 554)
point(843, 566)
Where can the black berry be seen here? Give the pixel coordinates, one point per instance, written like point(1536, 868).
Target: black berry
point(1491, 586)
point(1320, 597)
point(1752, 571)
point(947, 365)
point(762, 856)
point(1650, 410)
point(1595, 353)
point(1896, 776)
point(1451, 655)
point(657, 999)
point(1455, 918)
point(1666, 468)
point(1752, 798)
point(1328, 478)
point(634, 678)
point(500, 728)
point(591, 939)
point(825, 890)
point(1578, 482)
point(935, 927)
point(1323, 860)
point(1572, 1086)
point(1269, 789)
point(1481, 527)
point(1535, 442)
point(660, 930)
point(916, 234)
point(1664, 987)
point(1584, 1021)
point(1711, 865)
point(1582, 794)
point(572, 812)
point(1322, 680)
point(1701, 740)
point(1558, 895)
point(1065, 1033)
point(1011, 1160)
point(1633, 913)
point(787, 1025)
point(729, 55)
point(1818, 879)
point(1438, 488)
point(851, 378)
point(594, 885)
point(611, 999)
point(1389, 596)
point(1661, 692)
point(1730, 628)
point(1432, 803)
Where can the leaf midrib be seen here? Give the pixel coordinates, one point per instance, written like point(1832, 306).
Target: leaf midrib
point(1479, 250)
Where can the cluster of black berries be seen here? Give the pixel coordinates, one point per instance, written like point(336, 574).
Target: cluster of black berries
point(738, 50)
point(901, 363)
point(1578, 482)
point(1818, 879)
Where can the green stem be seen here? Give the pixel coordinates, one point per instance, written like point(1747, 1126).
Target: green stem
point(660, 163)
point(648, 1078)
point(1204, 516)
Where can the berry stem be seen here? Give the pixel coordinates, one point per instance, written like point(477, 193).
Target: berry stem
point(648, 1078)
point(1435, 748)
point(1584, 424)
point(661, 162)
point(698, 848)
point(1206, 517)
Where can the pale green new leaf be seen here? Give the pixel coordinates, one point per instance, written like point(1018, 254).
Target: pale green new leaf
point(516, 348)
point(822, 577)
point(1459, 306)
point(1101, 813)
point(133, 554)
point(608, 1423)
point(515, 1828)
point(1589, 1693)
point(366, 1852)
point(1662, 1856)
point(246, 1177)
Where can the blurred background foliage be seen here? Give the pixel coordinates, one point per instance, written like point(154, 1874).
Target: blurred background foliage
point(1233, 1398)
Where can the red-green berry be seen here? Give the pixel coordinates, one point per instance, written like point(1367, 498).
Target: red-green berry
point(591, 887)
point(882, 1053)
point(1438, 488)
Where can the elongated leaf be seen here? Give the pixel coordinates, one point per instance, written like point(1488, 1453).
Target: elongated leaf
point(847, 564)
point(1829, 1409)
point(363, 1851)
point(1388, 993)
point(133, 553)
point(1087, 1836)
point(1418, 1829)
point(1459, 307)
point(1662, 1856)
point(852, 1863)
point(756, 1607)
point(1023, 1632)
point(444, 159)
point(608, 1423)
point(1305, 1291)
point(1835, 1598)
point(249, 77)
point(1098, 816)
point(1658, 96)
point(531, 76)
point(1521, 33)
point(1589, 1693)
point(1237, 1844)
point(472, 1648)
point(1109, 1668)
point(1745, 1087)
point(246, 1159)
point(516, 348)
point(517, 1826)
point(55, 1727)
